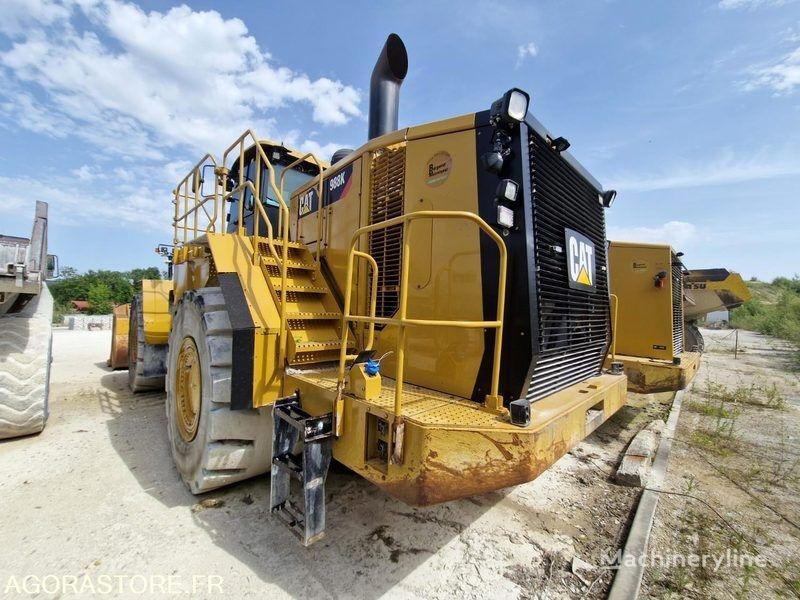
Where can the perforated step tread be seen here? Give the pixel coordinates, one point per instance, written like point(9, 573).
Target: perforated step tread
point(318, 345)
point(303, 289)
point(291, 264)
point(314, 316)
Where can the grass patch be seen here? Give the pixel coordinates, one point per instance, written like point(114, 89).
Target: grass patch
point(709, 441)
point(774, 309)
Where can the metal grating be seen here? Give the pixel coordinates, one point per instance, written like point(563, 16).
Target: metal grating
point(573, 324)
point(387, 179)
point(677, 306)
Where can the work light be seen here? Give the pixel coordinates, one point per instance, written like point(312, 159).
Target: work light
point(507, 190)
point(560, 144)
point(607, 198)
point(511, 108)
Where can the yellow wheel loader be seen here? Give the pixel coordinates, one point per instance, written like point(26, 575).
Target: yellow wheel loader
point(431, 310)
point(706, 291)
point(648, 340)
point(148, 332)
point(26, 314)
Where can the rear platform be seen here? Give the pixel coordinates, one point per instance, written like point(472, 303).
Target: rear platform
point(455, 448)
point(651, 375)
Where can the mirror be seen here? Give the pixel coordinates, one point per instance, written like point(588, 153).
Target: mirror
point(208, 181)
point(52, 267)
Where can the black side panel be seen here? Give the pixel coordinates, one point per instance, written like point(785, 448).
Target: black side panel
point(520, 314)
point(243, 341)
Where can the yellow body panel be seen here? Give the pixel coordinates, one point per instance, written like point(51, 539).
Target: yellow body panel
point(234, 254)
point(648, 376)
point(120, 326)
point(452, 448)
point(644, 312)
point(445, 358)
point(156, 311)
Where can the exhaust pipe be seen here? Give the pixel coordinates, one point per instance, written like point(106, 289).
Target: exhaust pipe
point(384, 86)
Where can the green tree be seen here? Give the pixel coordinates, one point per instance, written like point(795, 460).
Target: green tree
point(99, 297)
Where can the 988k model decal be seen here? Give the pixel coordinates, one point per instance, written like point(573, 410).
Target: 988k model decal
point(334, 188)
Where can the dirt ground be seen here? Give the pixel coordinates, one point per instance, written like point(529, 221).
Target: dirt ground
point(93, 504)
point(737, 452)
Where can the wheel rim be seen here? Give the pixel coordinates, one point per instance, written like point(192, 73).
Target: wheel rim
point(188, 390)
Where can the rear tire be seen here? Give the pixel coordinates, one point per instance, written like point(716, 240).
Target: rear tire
point(694, 338)
point(147, 363)
point(212, 445)
point(26, 340)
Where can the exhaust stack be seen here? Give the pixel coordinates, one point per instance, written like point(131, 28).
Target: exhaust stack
point(384, 86)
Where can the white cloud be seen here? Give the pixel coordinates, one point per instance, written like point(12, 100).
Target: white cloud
point(148, 93)
point(724, 169)
point(525, 51)
point(749, 4)
point(19, 14)
point(781, 76)
point(85, 173)
point(182, 77)
point(678, 234)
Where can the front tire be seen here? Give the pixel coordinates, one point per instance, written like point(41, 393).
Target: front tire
point(26, 341)
point(212, 445)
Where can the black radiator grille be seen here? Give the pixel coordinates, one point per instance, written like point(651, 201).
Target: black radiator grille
point(573, 324)
point(677, 306)
point(387, 179)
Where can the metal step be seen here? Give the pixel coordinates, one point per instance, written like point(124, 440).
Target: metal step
point(314, 316)
point(317, 346)
point(303, 289)
point(290, 264)
point(292, 425)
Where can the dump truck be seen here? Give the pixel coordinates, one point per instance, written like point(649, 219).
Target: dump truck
point(706, 291)
point(26, 314)
point(647, 294)
point(431, 310)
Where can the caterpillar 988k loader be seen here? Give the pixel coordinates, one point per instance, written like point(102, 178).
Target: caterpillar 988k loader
point(647, 290)
point(26, 314)
point(431, 310)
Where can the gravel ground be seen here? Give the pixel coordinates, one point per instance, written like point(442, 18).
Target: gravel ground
point(737, 452)
point(93, 504)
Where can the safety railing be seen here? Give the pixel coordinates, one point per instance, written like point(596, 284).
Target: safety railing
point(403, 322)
point(196, 214)
point(319, 195)
point(614, 310)
point(192, 217)
point(262, 161)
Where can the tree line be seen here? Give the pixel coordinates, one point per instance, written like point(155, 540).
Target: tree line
point(101, 289)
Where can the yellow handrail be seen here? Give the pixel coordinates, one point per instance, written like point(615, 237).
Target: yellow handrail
point(615, 302)
point(283, 221)
point(182, 192)
point(319, 194)
point(401, 321)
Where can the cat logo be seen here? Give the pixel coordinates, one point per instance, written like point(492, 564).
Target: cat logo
point(580, 261)
point(307, 202)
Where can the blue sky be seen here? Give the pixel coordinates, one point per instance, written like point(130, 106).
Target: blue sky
point(691, 110)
